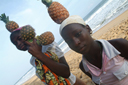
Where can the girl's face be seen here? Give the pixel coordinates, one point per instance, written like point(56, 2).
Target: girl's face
point(77, 37)
point(19, 42)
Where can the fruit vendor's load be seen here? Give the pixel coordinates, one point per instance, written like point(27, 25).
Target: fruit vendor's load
point(57, 12)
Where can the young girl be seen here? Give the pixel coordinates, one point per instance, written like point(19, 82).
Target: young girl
point(105, 61)
point(60, 69)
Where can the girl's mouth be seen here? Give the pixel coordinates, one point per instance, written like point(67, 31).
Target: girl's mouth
point(82, 48)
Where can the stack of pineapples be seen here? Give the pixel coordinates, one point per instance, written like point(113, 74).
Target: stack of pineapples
point(27, 32)
point(57, 12)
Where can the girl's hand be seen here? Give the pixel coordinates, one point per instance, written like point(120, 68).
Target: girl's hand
point(34, 48)
point(61, 68)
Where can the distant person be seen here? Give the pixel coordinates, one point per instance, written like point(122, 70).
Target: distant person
point(39, 59)
point(105, 61)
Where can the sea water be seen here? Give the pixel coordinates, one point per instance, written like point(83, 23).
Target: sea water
point(102, 14)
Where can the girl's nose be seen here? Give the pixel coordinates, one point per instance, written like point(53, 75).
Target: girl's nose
point(18, 42)
point(76, 41)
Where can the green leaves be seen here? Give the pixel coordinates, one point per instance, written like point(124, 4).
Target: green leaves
point(4, 18)
point(47, 2)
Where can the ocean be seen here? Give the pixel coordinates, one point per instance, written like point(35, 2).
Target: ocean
point(102, 14)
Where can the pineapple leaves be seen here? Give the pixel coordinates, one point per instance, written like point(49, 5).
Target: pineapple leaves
point(4, 18)
point(47, 2)
point(8, 18)
point(0, 18)
point(3, 15)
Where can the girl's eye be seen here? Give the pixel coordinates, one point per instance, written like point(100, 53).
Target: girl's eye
point(78, 34)
point(19, 38)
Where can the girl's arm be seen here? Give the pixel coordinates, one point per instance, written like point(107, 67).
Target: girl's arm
point(61, 68)
point(121, 45)
point(82, 68)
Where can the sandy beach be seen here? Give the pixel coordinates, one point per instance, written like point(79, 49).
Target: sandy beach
point(117, 28)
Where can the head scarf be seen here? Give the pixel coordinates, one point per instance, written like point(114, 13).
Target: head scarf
point(70, 20)
point(17, 29)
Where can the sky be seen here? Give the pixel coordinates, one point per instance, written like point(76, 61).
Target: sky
point(15, 63)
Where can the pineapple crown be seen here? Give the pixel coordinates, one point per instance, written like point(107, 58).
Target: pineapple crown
point(4, 18)
point(47, 2)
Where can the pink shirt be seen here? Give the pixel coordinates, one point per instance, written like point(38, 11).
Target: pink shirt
point(106, 73)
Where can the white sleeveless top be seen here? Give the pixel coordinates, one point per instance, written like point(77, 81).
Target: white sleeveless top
point(54, 48)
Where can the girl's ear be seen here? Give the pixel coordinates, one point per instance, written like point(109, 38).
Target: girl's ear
point(89, 29)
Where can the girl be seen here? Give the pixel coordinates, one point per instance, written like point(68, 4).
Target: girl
point(60, 69)
point(105, 61)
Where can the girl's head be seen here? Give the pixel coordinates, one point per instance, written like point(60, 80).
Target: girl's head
point(17, 40)
point(76, 34)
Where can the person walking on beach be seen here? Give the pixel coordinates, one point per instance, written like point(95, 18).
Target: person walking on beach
point(105, 61)
point(60, 69)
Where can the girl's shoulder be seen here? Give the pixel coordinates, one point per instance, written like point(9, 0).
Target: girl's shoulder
point(121, 45)
point(118, 43)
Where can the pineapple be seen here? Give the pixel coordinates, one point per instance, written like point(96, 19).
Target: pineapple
point(28, 34)
point(46, 38)
point(10, 25)
point(56, 11)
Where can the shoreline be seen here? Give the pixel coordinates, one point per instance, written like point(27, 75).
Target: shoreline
point(116, 28)
point(117, 20)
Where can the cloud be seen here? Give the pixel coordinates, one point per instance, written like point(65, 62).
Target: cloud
point(25, 12)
